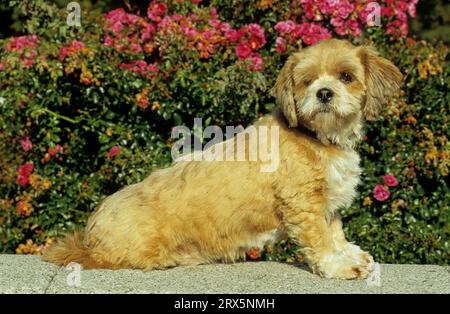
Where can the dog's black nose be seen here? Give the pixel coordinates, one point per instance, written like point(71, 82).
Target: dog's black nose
point(324, 95)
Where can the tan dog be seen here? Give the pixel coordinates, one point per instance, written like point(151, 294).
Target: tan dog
point(201, 212)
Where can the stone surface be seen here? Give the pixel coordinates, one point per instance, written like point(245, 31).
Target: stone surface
point(28, 274)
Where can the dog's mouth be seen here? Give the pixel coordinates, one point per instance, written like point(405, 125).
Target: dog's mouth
point(324, 109)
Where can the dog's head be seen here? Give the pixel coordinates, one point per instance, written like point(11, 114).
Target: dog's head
point(331, 87)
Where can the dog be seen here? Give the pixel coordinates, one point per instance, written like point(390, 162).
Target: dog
point(198, 212)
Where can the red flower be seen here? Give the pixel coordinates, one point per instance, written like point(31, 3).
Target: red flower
point(53, 151)
point(390, 180)
point(26, 169)
point(381, 193)
point(253, 253)
point(23, 174)
point(114, 151)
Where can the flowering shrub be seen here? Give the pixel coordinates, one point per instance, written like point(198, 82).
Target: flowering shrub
point(85, 111)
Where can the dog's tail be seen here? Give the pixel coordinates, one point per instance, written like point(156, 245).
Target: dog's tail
point(70, 249)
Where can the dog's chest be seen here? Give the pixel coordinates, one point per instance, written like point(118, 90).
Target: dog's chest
point(342, 178)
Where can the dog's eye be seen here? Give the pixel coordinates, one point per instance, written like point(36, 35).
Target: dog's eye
point(346, 77)
point(306, 82)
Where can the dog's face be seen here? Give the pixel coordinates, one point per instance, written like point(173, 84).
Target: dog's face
point(331, 87)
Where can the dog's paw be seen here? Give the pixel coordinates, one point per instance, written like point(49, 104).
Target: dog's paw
point(359, 256)
point(343, 266)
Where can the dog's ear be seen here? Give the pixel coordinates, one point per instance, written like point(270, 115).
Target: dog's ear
point(383, 80)
point(283, 91)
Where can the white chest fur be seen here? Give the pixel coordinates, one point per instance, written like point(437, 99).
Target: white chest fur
point(342, 177)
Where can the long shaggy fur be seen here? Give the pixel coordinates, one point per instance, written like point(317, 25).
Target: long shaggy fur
point(69, 249)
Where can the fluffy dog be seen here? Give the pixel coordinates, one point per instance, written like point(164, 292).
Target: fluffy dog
point(199, 212)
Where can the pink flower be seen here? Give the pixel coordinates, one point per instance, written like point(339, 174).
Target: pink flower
point(390, 180)
point(257, 62)
point(381, 193)
point(115, 19)
point(309, 8)
point(214, 23)
point(114, 151)
point(165, 22)
point(22, 42)
point(141, 67)
point(232, 35)
point(353, 27)
point(147, 32)
point(135, 48)
point(156, 11)
point(2, 66)
point(27, 46)
point(285, 27)
point(70, 49)
point(26, 144)
point(62, 53)
point(214, 14)
point(311, 33)
point(243, 50)
point(344, 10)
point(78, 44)
point(256, 30)
point(412, 8)
point(281, 45)
point(255, 34)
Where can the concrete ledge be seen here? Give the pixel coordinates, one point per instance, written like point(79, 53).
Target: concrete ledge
point(28, 274)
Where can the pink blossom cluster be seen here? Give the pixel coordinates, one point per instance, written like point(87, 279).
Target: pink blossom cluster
point(156, 11)
point(128, 32)
point(343, 17)
point(341, 14)
point(381, 191)
point(26, 144)
point(141, 67)
point(26, 46)
point(251, 38)
point(309, 33)
point(71, 49)
point(206, 39)
point(23, 174)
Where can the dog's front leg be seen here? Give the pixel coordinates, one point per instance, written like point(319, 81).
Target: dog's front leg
point(350, 249)
point(312, 230)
